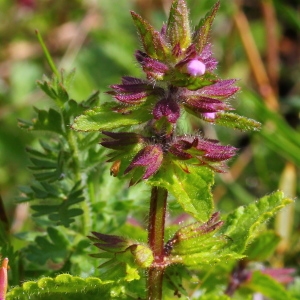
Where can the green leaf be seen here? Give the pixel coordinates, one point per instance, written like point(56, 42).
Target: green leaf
point(237, 122)
point(62, 93)
point(214, 297)
point(47, 167)
point(67, 78)
point(263, 246)
point(181, 79)
point(153, 43)
point(103, 118)
point(52, 247)
point(241, 225)
point(48, 120)
point(74, 109)
point(268, 286)
point(65, 287)
point(61, 213)
point(201, 35)
point(47, 88)
point(201, 245)
point(203, 249)
point(178, 28)
point(192, 190)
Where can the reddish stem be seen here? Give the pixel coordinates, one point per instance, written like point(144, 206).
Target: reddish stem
point(156, 231)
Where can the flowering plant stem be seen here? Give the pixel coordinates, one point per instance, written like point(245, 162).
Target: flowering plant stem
point(156, 230)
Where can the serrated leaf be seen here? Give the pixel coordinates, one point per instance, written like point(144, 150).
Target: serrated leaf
point(262, 246)
point(192, 190)
point(47, 88)
point(103, 118)
point(237, 122)
point(201, 34)
point(206, 249)
point(267, 286)
point(241, 225)
point(48, 120)
point(153, 43)
point(65, 287)
point(178, 26)
point(74, 109)
point(239, 229)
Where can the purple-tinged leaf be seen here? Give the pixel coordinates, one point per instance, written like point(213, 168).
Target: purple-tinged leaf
point(206, 105)
point(168, 108)
point(153, 42)
point(152, 67)
point(150, 158)
point(222, 89)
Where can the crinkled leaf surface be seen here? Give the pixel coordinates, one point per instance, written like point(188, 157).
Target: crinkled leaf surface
point(202, 250)
point(65, 287)
point(103, 118)
point(242, 224)
point(231, 240)
point(192, 190)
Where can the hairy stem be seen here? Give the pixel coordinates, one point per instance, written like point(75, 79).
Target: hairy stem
point(156, 230)
point(85, 205)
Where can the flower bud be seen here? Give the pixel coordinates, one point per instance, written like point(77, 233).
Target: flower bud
point(3, 278)
point(195, 67)
point(143, 255)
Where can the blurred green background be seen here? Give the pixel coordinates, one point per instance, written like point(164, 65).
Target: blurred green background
point(256, 41)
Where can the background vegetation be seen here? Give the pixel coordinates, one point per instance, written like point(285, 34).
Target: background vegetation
point(255, 41)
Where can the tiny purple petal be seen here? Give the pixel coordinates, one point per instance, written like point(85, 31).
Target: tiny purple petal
point(209, 115)
point(167, 108)
point(195, 67)
point(206, 53)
